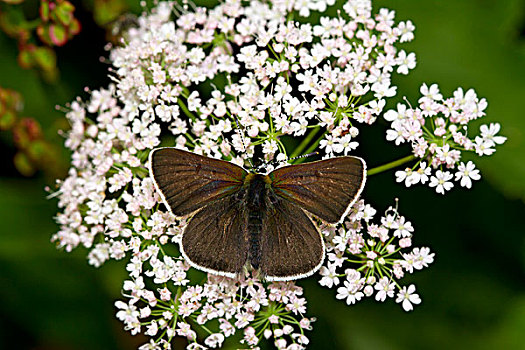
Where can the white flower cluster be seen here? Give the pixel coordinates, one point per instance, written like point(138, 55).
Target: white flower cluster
point(373, 256)
point(278, 77)
point(195, 77)
point(226, 304)
point(438, 133)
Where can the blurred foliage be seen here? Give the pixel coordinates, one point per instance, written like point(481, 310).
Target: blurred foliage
point(473, 296)
point(37, 27)
point(33, 150)
point(105, 12)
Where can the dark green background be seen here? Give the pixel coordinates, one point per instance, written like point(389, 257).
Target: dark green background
point(473, 294)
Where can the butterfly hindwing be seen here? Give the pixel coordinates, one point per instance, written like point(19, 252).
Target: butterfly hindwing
point(326, 188)
point(215, 238)
point(188, 181)
point(291, 244)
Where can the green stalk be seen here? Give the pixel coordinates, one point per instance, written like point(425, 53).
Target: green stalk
point(390, 165)
point(186, 110)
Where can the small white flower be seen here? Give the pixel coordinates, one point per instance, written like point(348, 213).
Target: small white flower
point(128, 312)
point(441, 181)
point(407, 297)
point(368, 213)
point(385, 289)
point(405, 62)
point(403, 228)
point(404, 175)
point(396, 134)
point(406, 31)
point(350, 292)
point(484, 147)
point(489, 133)
point(430, 93)
point(423, 257)
point(422, 174)
point(467, 173)
point(330, 277)
point(214, 340)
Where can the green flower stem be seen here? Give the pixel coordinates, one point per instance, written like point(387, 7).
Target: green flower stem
point(140, 171)
point(300, 148)
point(122, 194)
point(355, 261)
point(186, 110)
point(206, 329)
point(390, 165)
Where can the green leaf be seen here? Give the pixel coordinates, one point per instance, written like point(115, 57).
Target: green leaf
point(45, 58)
point(58, 34)
point(13, 2)
point(7, 119)
point(64, 13)
point(23, 164)
point(74, 27)
point(25, 59)
point(44, 10)
point(12, 21)
point(106, 11)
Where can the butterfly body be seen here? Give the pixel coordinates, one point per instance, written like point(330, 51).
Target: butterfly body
point(256, 206)
point(239, 219)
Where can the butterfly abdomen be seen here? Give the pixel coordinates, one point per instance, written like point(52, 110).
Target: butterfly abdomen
point(254, 238)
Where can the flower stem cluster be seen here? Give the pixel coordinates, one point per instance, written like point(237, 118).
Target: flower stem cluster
point(369, 258)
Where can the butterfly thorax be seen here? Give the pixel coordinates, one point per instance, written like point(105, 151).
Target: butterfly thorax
point(256, 193)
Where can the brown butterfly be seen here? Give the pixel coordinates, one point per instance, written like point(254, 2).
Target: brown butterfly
point(240, 218)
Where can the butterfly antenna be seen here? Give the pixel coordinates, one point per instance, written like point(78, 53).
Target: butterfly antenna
point(304, 156)
point(242, 138)
point(274, 161)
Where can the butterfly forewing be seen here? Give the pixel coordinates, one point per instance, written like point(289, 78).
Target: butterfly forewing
point(291, 245)
point(188, 181)
point(325, 188)
point(215, 238)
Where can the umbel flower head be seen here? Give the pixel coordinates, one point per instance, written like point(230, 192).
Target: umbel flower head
point(242, 80)
point(438, 133)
